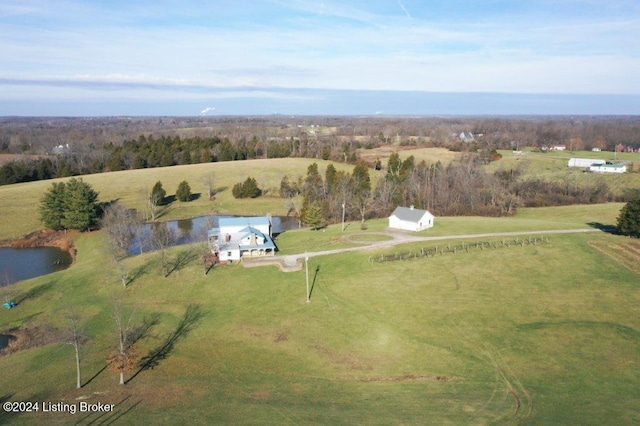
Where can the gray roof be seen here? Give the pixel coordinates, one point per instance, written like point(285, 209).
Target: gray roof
point(408, 214)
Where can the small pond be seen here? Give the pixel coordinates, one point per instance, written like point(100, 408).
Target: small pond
point(188, 231)
point(4, 340)
point(17, 264)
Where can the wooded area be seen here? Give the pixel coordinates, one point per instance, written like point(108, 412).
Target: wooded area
point(45, 148)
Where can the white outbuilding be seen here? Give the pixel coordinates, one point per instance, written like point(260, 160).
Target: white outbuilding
point(410, 219)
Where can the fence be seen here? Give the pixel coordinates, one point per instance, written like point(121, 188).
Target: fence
point(440, 250)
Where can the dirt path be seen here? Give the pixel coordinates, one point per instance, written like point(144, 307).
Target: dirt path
point(293, 262)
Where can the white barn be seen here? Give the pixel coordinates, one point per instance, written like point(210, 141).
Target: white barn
point(410, 219)
point(584, 162)
point(608, 168)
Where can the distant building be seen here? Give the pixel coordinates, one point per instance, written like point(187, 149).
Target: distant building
point(466, 137)
point(238, 237)
point(584, 162)
point(410, 219)
point(61, 149)
point(608, 168)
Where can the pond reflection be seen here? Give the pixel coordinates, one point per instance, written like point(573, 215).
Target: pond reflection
point(189, 231)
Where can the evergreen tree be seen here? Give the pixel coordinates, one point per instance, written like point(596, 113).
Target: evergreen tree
point(81, 208)
point(158, 194)
point(250, 188)
point(184, 192)
point(71, 205)
point(330, 178)
point(629, 219)
point(393, 167)
point(237, 190)
point(52, 206)
point(361, 179)
point(313, 216)
point(313, 189)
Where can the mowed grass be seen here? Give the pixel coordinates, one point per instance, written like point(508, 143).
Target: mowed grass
point(20, 202)
point(539, 334)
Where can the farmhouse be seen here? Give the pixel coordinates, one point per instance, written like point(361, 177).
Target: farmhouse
point(238, 237)
point(410, 219)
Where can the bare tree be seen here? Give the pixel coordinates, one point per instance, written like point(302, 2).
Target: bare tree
point(209, 182)
point(75, 337)
point(121, 225)
point(294, 205)
point(125, 357)
point(163, 237)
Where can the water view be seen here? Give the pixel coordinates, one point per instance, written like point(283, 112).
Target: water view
point(17, 264)
point(188, 231)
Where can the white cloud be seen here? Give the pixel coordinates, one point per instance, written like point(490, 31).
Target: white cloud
point(345, 47)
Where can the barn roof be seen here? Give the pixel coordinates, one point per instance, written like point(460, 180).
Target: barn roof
point(409, 214)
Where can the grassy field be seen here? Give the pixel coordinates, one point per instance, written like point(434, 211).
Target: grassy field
point(529, 334)
point(552, 166)
point(21, 201)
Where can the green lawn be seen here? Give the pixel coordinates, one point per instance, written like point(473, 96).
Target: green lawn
point(541, 334)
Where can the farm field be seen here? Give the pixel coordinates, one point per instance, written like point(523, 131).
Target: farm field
point(552, 166)
point(533, 334)
point(21, 201)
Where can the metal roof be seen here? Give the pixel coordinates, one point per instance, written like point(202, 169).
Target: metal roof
point(240, 221)
point(409, 214)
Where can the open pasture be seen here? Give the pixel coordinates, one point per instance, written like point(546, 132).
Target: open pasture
point(530, 334)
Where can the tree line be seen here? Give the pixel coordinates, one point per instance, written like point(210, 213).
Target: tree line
point(461, 188)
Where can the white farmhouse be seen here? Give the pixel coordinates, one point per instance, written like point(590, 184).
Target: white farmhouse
point(237, 237)
point(410, 219)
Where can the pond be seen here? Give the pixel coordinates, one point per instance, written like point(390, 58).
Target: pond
point(17, 264)
point(5, 340)
point(188, 231)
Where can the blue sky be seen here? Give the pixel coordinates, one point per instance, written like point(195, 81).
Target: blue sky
point(183, 57)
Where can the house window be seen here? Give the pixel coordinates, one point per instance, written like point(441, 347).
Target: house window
point(228, 254)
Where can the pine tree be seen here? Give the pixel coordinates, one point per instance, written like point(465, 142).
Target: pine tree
point(52, 206)
point(71, 205)
point(313, 215)
point(184, 192)
point(250, 188)
point(158, 194)
point(81, 208)
point(629, 219)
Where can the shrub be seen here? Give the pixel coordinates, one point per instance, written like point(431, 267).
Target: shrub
point(248, 189)
point(183, 193)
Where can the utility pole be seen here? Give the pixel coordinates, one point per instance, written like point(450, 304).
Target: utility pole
point(343, 216)
point(306, 267)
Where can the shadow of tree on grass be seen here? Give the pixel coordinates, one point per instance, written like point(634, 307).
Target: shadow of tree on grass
point(189, 321)
point(33, 293)
point(609, 229)
point(182, 260)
